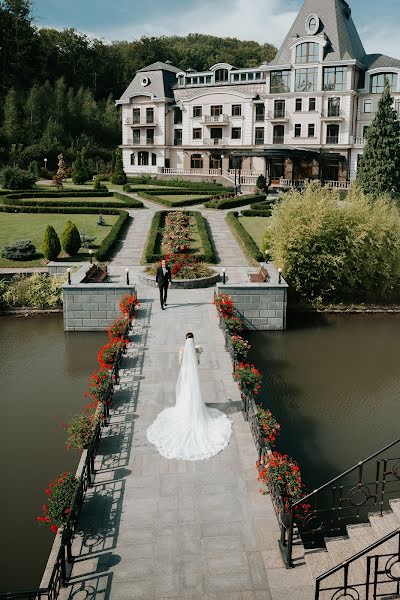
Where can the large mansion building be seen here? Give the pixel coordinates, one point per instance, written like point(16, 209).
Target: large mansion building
point(304, 115)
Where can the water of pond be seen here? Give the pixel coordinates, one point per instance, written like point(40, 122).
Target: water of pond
point(43, 375)
point(333, 382)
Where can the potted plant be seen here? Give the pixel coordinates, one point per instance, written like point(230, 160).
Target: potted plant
point(240, 347)
point(269, 426)
point(61, 493)
point(248, 377)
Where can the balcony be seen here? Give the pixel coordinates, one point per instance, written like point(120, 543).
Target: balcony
point(278, 139)
point(332, 139)
point(359, 141)
point(213, 119)
point(177, 141)
point(278, 115)
point(141, 123)
point(217, 141)
point(333, 113)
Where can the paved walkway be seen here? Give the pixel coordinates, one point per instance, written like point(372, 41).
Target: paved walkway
point(154, 528)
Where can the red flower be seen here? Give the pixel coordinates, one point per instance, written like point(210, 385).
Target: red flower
point(53, 528)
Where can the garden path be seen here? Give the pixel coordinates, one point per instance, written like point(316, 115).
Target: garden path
point(154, 528)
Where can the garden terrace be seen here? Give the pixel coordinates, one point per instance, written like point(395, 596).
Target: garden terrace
point(200, 245)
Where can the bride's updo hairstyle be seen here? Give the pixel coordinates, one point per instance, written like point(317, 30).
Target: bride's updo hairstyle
point(189, 335)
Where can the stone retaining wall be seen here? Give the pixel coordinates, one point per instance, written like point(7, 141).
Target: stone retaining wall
point(263, 305)
point(91, 306)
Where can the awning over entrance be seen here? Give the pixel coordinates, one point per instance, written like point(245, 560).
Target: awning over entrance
point(280, 152)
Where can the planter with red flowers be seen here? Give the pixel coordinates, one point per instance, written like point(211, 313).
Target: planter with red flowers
point(239, 347)
point(281, 476)
point(109, 355)
point(100, 386)
point(248, 377)
point(224, 305)
point(269, 426)
point(61, 494)
point(119, 329)
point(128, 304)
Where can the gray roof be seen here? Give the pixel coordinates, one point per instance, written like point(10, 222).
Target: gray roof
point(336, 24)
point(380, 61)
point(161, 66)
point(162, 79)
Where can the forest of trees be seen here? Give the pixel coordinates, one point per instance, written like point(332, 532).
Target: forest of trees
point(57, 88)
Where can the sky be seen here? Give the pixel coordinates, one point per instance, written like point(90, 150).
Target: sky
point(259, 20)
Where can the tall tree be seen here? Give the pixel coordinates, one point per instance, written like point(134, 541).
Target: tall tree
point(379, 169)
point(12, 125)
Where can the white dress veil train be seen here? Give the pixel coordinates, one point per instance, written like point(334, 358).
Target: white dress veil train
point(190, 430)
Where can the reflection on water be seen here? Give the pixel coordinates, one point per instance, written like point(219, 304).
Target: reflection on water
point(43, 375)
point(333, 382)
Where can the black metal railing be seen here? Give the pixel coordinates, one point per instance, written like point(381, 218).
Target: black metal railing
point(372, 578)
point(344, 500)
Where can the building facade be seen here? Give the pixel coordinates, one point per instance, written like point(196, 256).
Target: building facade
point(302, 116)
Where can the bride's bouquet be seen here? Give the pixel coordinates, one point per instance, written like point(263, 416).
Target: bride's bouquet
point(199, 349)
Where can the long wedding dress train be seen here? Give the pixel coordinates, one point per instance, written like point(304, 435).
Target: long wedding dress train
point(190, 430)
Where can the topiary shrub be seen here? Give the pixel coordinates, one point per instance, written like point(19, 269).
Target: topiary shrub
point(80, 173)
point(126, 187)
point(261, 182)
point(119, 176)
point(20, 250)
point(51, 243)
point(71, 240)
point(12, 178)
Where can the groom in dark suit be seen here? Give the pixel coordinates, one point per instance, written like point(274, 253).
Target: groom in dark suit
point(163, 278)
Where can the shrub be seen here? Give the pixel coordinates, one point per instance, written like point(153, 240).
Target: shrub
point(33, 169)
point(164, 201)
point(87, 241)
point(20, 250)
point(264, 205)
point(100, 220)
point(126, 187)
point(12, 178)
point(51, 243)
point(61, 493)
point(118, 176)
point(261, 182)
point(80, 173)
point(330, 250)
point(98, 186)
point(71, 240)
point(256, 213)
point(36, 291)
point(107, 244)
point(240, 346)
point(243, 237)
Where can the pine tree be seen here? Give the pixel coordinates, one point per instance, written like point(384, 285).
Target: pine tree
point(71, 240)
point(119, 176)
point(51, 243)
point(80, 173)
point(379, 169)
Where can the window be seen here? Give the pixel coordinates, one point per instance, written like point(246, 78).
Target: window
point(136, 137)
point(136, 115)
point(311, 130)
point(278, 134)
point(279, 109)
point(306, 80)
point(196, 161)
point(307, 52)
point(368, 106)
point(143, 159)
point(299, 104)
point(236, 77)
point(397, 107)
point(195, 80)
point(259, 136)
point(297, 130)
point(280, 82)
point(312, 105)
point(150, 136)
point(250, 76)
point(236, 133)
point(243, 76)
point(335, 78)
point(153, 159)
point(197, 112)
point(257, 75)
point(333, 107)
point(149, 115)
point(178, 137)
point(216, 133)
point(332, 134)
point(208, 78)
point(260, 112)
point(201, 80)
point(181, 80)
point(177, 116)
point(236, 110)
point(216, 111)
point(197, 133)
point(132, 158)
point(221, 75)
point(378, 82)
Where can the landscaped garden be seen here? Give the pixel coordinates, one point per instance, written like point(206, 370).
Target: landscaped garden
point(256, 228)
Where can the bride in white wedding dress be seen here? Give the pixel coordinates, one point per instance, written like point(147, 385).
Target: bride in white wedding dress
point(190, 430)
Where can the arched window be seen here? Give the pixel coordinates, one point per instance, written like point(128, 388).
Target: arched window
point(221, 75)
point(378, 82)
point(196, 161)
point(143, 159)
point(132, 158)
point(307, 52)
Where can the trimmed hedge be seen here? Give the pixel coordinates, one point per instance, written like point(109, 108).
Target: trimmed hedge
point(107, 244)
point(15, 200)
point(61, 194)
point(172, 192)
point(150, 255)
point(243, 237)
point(235, 202)
point(173, 203)
point(265, 205)
point(131, 202)
point(256, 213)
point(181, 183)
point(62, 209)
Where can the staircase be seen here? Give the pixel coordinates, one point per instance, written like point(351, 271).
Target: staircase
point(351, 530)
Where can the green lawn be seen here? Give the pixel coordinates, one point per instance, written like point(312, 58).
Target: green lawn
point(256, 227)
point(31, 226)
point(179, 198)
point(109, 199)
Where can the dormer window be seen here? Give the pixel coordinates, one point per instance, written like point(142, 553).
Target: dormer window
point(378, 82)
point(221, 75)
point(307, 52)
